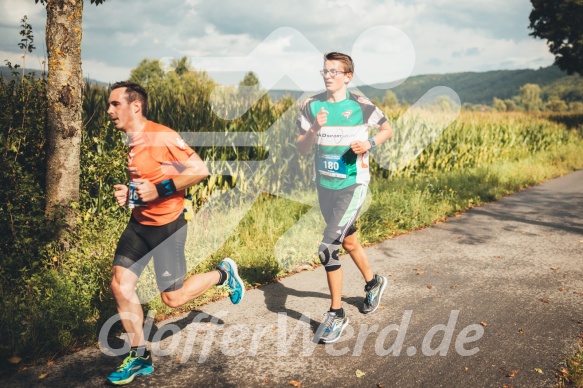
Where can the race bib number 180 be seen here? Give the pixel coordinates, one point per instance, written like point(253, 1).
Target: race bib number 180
point(332, 165)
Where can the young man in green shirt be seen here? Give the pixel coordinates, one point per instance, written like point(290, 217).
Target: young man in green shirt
point(336, 122)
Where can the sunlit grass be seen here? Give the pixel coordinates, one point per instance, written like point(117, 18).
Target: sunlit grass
point(570, 374)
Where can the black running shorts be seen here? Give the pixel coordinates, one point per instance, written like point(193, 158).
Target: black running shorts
point(139, 243)
point(340, 209)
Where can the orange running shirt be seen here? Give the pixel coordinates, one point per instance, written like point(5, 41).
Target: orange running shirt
point(157, 153)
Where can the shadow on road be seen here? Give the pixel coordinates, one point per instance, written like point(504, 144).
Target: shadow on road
point(276, 295)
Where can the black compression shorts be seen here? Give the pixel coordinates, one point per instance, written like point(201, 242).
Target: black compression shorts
point(139, 243)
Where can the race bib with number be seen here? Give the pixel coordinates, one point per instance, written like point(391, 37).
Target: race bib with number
point(332, 165)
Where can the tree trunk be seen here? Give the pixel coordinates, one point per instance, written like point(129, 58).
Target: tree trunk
point(64, 95)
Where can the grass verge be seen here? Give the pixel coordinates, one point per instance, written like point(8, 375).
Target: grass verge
point(570, 373)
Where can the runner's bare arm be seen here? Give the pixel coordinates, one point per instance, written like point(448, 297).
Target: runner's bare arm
point(195, 171)
point(385, 133)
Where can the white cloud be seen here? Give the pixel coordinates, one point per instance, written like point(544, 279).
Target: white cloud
point(104, 72)
point(214, 43)
point(328, 24)
point(13, 11)
point(383, 54)
point(32, 61)
point(441, 48)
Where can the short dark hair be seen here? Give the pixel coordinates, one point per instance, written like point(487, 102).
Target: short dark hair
point(134, 92)
point(342, 58)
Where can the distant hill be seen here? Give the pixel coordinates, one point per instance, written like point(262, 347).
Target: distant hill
point(566, 88)
point(277, 94)
point(7, 75)
point(478, 88)
point(472, 87)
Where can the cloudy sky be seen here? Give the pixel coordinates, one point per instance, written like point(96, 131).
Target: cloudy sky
point(282, 41)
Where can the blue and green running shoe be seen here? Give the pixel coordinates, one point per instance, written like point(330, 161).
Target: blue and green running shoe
point(131, 367)
point(234, 282)
point(372, 300)
point(331, 328)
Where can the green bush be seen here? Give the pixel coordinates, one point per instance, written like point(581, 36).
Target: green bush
point(23, 226)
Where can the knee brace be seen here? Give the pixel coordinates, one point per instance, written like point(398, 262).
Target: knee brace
point(328, 254)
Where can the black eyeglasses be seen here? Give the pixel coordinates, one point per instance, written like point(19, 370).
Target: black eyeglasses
point(333, 72)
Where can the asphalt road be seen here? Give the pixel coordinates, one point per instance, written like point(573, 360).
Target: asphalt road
point(491, 298)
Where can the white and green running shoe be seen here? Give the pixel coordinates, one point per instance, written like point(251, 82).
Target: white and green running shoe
point(331, 328)
point(373, 296)
point(131, 367)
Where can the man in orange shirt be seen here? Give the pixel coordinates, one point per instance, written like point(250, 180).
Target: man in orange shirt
point(161, 167)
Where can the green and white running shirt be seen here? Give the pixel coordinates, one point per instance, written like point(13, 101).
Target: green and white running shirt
point(336, 165)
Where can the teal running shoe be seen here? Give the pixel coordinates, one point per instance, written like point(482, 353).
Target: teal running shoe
point(131, 367)
point(372, 300)
point(234, 282)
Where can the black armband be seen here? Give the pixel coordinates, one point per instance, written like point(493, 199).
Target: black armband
point(166, 188)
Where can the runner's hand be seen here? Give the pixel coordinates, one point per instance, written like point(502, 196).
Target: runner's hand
point(121, 194)
point(147, 190)
point(321, 120)
point(360, 147)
